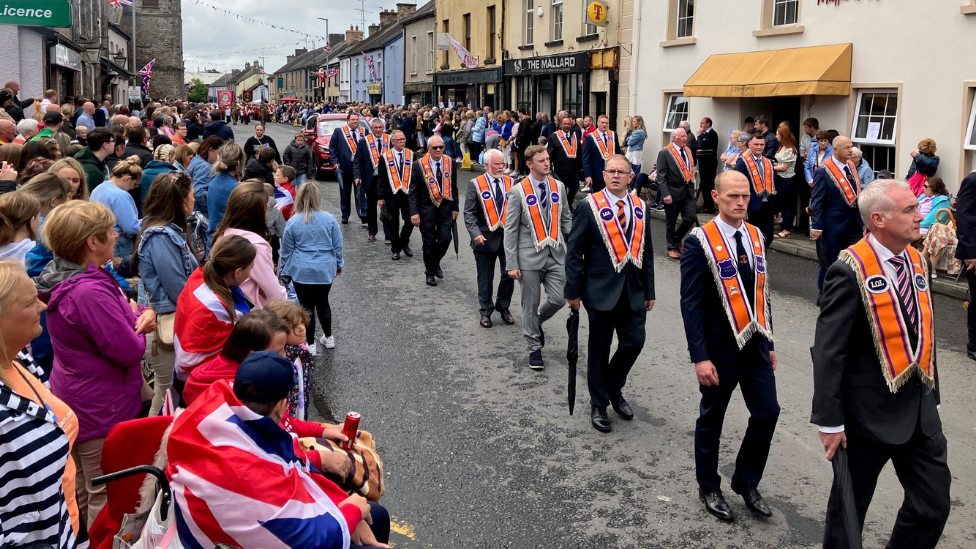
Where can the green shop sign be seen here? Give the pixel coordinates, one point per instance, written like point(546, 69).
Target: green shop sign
point(36, 13)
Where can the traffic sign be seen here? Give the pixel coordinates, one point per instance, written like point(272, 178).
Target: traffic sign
point(36, 13)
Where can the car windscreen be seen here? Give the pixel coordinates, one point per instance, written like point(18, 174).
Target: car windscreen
point(326, 127)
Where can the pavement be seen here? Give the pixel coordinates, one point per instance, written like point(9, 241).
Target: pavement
point(480, 451)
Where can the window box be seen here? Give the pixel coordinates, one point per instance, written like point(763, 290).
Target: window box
point(554, 43)
point(588, 38)
point(526, 47)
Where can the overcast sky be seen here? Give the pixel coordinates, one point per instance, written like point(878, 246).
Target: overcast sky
point(206, 32)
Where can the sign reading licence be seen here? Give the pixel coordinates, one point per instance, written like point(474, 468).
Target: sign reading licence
point(36, 13)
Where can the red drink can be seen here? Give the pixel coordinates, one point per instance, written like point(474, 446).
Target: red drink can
point(351, 429)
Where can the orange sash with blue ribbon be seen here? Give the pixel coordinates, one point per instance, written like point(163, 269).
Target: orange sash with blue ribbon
point(488, 200)
point(888, 324)
point(349, 140)
point(399, 182)
point(430, 176)
point(614, 237)
point(374, 151)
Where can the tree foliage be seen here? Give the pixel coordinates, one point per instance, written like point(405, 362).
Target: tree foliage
point(199, 91)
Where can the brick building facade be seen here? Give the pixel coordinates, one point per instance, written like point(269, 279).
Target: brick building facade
point(159, 35)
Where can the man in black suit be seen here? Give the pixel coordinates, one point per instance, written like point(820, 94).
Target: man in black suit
point(730, 340)
point(706, 148)
point(761, 186)
point(618, 291)
point(409, 129)
point(366, 167)
point(598, 147)
point(676, 179)
point(342, 151)
point(488, 196)
point(564, 155)
point(834, 221)
point(873, 394)
point(392, 188)
point(434, 205)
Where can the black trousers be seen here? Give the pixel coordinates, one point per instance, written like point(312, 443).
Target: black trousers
point(572, 183)
point(922, 468)
point(399, 208)
point(435, 232)
point(597, 185)
point(971, 278)
point(829, 247)
point(606, 376)
point(371, 217)
point(706, 167)
point(689, 218)
point(763, 220)
point(485, 263)
point(755, 376)
point(315, 299)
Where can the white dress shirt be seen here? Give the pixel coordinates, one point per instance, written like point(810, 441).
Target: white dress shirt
point(613, 199)
point(728, 231)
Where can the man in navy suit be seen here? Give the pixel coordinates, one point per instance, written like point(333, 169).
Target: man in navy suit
point(730, 340)
point(835, 222)
point(366, 166)
point(618, 291)
point(599, 146)
point(760, 203)
point(342, 150)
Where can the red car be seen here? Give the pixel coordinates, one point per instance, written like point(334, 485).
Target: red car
point(318, 132)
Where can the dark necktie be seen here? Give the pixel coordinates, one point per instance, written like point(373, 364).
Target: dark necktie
point(399, 163)
point(905, 289)
point(499, 199)
point(605, 144)
point(684, 157)
point(745, 268)
point(622, 215)
point(543, 199)
point(440, 177)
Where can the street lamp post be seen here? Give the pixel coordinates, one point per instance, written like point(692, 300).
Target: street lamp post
point(327, 79)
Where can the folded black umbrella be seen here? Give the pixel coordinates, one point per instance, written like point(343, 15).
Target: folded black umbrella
point(842, 529)
point(454, 231)
point(572, 355)
point(385, 215)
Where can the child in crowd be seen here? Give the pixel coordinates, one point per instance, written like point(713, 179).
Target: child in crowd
point(276, 222)
point(285, 190)
point(296, 351)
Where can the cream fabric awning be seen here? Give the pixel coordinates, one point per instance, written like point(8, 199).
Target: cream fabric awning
point(817, 70)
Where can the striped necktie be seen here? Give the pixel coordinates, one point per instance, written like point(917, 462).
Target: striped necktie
point(905, 289)
point(543, 198)
point(622, 215)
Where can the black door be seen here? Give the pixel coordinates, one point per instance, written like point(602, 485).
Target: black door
point(788, 109)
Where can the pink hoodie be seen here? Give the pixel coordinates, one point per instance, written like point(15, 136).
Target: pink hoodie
point(263, 285)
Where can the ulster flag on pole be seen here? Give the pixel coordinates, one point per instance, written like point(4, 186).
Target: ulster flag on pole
point(147, 73)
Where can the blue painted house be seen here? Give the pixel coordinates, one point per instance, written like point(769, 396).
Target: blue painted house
point(385, 47)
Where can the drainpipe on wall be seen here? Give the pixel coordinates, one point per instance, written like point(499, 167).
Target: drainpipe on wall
point(635, 57)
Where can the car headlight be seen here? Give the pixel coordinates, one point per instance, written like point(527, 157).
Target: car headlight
point(323, 149)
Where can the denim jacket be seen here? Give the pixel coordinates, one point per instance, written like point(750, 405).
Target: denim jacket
point(165, 263)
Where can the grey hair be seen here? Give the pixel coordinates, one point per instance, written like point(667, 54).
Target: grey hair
point(686, 125)
point(857, 152)
point(491, 153)
point(744, 138)
point(26, 126)
point(874, 199)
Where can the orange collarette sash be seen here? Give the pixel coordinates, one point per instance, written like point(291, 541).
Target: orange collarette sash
point(762, 181)
point(349, 140)
point(569, 145)
point(614, 237)
point(745, 318)
point(843, 185)
point(430, 176)
point(374, 150)
point(399, 183)
point(488, 200)
point(544, 236)
point(606, 149)
point(688, 172)
point(888, 325)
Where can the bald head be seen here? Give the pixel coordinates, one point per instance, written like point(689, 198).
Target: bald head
point(843, 148)
point(88, 108)
point(134, 121)
point(8, 131)
point(120, 120)
point(53, 107)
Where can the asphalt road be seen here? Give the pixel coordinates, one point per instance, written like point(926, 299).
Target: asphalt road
point(480, 451)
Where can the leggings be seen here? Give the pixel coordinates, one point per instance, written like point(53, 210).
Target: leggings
point(315, 298)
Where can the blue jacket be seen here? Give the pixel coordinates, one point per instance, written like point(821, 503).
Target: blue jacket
point(199, 170)
point(478, 133)
point(311, 253)
point(636, 140)
point(808, 165)
point(123, 206)
point(940, 202)
point(217, 196)
point(193, 131)
point(926, 165)
point(593, 162)
point(154, 168)
point(340, 155)
point(831, 214)
point(218, 128)
point(165, 264)
point(865, 173)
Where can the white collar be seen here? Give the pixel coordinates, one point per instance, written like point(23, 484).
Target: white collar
point(612, 198)
point(728, 230)
point(884, 254)
point(838, 163)
point(534, 182)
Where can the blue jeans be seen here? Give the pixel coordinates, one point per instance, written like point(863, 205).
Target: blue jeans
point(299, 179)
point(380, 526)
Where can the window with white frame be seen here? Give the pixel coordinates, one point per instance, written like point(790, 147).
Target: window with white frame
point(431, 59)
point(875, 121)
point(677, 111)
point(413, 58)
point(557, 20)
point(686, 19)
point(529, 23)
point(970, 144)
point(588, 28)
point(785, 12)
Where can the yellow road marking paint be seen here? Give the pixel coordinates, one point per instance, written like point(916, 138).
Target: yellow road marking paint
point(402, 528)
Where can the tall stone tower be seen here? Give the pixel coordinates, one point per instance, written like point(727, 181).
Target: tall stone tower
point(159, 36)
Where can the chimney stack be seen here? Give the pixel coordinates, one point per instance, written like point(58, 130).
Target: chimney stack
point(373, 29)
point(354, 34)
point(388, 17)
point(336, 38)
point(405, 9)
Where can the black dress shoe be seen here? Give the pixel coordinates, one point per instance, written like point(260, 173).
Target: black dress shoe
point(622, 408)
point(507, 317)
point(599, 419)
point(396, 256)
point(755, 502)
point(439, 273)
point(715, 504)
point(486, 321)
point(345, 221)
point(431, 281)
point(407, 251)
point(535, 360)
point(971, 355)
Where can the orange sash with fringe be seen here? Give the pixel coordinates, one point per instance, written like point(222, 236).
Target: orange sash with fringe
point(606, 149)
point(488, 200)
point(762, 181)
point(569, 145)
point(614, 236)
point(888, 325)
point(349, 140)
point(544, 236)
point(430, 175)
point(843, 185)
point(374, 151)
point(687, 171)
point(399, 183)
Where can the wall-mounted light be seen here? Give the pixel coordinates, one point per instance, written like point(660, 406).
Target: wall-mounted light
point(538, 11)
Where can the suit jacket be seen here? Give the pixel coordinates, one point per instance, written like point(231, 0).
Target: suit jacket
point(593, 162)
point(520, 239)
point(707, 326)
point(966, 218)
point(362, 163)
point(755, 201)
point(339, 154)
point(589, 270)
point(849, 388)
point(420, 203)
point(707, 141)
point(669, 178)
point(831, 214)
point(477, 224)
point(383, 189)
point(562, 164)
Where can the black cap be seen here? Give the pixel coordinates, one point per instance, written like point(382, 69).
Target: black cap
point(264, 377)
point(52, 117)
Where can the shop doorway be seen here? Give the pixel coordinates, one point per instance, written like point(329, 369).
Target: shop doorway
point(546, 95)
point(599, 105)
point(788, 109)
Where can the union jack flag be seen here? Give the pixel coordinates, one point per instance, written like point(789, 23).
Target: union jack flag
point(120, 3)
point(147, 73)
point(328, 49)
point(321, 74)
point(333, 72)
point(369, 61)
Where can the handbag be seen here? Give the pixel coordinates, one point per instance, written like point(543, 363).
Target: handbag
point(366, 476)
point(165, 326)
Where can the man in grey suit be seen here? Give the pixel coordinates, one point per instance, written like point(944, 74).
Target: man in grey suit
point(484, 217)
point(536, 225)
point(676, 179)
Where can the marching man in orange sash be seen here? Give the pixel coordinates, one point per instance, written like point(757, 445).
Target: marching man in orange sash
point(366, 167)
point(676, 180)
point(726, 311)
point(484, 217)
point(759, 171)
point(433, 199)
point(875, 382)
point(565, 155)
point(392, 188)
point(834, 221)
point(537, 221)
point(610, 269)
point(342, 152)
point(598, 146)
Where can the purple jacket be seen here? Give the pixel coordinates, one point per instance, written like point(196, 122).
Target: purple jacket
point(97, 355)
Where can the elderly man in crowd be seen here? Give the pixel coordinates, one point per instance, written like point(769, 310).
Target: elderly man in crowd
point(8, 131)
point(864, 170)
point(87, 117)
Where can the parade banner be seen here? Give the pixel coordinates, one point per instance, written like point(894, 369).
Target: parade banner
point(225, 98)
point(467, 60)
